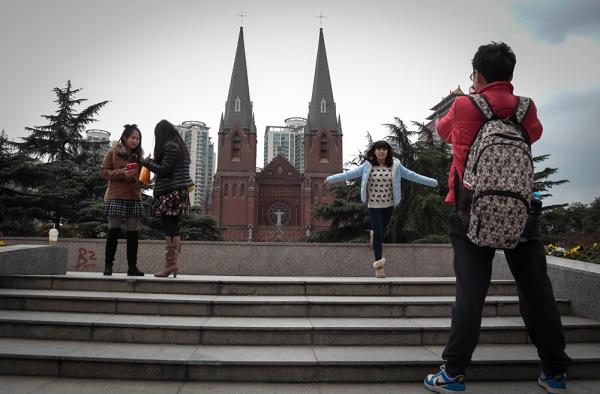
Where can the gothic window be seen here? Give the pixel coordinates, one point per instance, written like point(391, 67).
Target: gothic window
point(236, 146)
point(242, 189)
point(238, 104)
point(323, 150)
point(225, 189)
point(323, 105)
point(233, 190)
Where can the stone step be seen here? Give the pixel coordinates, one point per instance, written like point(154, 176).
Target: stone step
point(251, 306)
point(301, 364)
point(53, 385)
point(250, 285)
point(203, 330)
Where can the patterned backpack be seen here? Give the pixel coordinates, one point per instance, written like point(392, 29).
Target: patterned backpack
point(499, 174)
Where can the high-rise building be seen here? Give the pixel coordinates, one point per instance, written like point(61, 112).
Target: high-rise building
point(202, 159)
point(286, 141)
point(97, 135)
point(99, 139)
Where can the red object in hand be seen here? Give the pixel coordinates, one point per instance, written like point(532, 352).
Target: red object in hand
point(131, 166)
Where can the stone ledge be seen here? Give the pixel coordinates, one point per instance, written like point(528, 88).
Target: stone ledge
point(577, 281)
point(263, 258)
point(33, 260)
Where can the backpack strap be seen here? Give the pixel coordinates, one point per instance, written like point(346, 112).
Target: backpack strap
point(521, 110)
point(483, 106)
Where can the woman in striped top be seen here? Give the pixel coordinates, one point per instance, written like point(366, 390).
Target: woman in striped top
point(171, 189)
point(380, 174)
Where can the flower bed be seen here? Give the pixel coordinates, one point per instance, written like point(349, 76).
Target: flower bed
point(590, 254)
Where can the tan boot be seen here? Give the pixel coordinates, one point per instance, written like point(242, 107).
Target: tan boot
point(170, 259)
point(378, 265)
point(177, 244)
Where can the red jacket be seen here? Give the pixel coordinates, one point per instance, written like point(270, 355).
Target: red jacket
point(459, 126)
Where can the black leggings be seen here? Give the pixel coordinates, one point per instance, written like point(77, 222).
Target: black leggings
point(171, 225)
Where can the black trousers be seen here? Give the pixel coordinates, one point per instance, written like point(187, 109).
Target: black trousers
point(473, 270)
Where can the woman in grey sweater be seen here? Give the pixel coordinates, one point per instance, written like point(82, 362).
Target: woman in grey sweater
point(172, 185)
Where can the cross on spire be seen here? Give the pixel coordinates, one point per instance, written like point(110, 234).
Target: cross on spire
point(242, 15)
point(321, 16)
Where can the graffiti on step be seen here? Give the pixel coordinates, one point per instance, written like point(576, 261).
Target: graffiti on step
point(86, 259)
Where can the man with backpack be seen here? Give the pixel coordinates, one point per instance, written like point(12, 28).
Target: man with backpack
point(491, 179)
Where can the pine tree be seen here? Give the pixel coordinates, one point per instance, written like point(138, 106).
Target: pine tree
point(541, 183)
point(20, 177)
point(68, 165)
point(61, 139)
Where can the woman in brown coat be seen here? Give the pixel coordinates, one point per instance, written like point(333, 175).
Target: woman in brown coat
point(123, 198)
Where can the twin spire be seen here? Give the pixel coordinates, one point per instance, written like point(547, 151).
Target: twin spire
point(238, 108)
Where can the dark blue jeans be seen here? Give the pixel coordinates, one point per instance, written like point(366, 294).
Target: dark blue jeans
point(379, 218)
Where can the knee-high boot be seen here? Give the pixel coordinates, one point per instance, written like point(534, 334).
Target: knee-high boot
point(132, 250)
point(172, 247)
point(112, 239)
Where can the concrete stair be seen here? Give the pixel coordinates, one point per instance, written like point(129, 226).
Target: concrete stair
point(262, 329)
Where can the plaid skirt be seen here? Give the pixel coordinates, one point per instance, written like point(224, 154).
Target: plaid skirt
point(175, 203)
point(123, 208)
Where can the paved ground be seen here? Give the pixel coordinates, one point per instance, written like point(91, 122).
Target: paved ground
point(39, 385)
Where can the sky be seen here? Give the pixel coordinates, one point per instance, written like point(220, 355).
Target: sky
point(173, 59)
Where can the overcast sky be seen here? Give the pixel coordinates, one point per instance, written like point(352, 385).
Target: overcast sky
point(173, 59)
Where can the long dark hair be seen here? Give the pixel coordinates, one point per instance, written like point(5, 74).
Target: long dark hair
point(138, 153)
point(165, 132)
point(370, 155)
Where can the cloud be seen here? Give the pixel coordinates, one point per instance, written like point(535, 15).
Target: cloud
point(554, 20)
point(572, 138)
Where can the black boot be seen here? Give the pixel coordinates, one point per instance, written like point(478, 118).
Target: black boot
point(132, 249)
point(111, 248)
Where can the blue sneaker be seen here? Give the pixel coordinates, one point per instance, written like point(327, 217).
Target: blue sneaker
point(553, 384)
point(442, 383)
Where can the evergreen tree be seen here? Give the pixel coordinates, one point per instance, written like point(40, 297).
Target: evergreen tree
point(348, 215)
point(20, 177)
point(67, 166)
point(61, 139)
point(200, 227)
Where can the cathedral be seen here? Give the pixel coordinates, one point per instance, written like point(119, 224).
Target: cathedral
point(275, 203)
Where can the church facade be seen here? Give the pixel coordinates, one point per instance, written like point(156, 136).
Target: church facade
point(274, 204)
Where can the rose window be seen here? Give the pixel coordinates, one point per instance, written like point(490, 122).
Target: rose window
point(279, 214)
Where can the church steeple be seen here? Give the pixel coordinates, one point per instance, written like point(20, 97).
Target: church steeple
point(238, 108)
point(321, 111)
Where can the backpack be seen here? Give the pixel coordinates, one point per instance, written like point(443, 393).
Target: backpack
point(498, 177)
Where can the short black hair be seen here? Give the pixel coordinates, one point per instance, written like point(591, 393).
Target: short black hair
point(496, 61)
